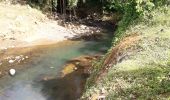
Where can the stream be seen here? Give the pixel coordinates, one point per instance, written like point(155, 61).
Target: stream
point(48, 61)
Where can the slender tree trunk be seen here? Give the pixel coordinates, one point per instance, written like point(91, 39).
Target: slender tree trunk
point(74, 12)
point(61, 7)
point(70, 16)
point(64, 9)
point(51, 8)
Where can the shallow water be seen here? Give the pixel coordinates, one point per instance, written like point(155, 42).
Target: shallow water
point(48, 61)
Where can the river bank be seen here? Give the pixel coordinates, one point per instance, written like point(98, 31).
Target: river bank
point(23, 26)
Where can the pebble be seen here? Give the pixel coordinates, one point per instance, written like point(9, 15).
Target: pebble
point(102, 97)
point(77, 63)
point(98, 31)
point(17, 57)
point(75, 68)
point(23, 58)
point(11, 61)
point(83, 26)
point(51, 67)
point(12, 72)
point(26, 57)
point(102, 91)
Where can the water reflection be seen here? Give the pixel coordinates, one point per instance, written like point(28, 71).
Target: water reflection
point(22, 91)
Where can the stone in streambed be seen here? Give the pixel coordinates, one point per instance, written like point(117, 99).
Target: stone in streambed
point(12, 72)
point(11, 61)
point(26, 57)
point(69, 68)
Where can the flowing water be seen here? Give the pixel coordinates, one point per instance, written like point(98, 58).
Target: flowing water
point(48, 61)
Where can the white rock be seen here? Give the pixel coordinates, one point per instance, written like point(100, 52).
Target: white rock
point(26, 57)
point(12, 72)
point(98, 31)
point(102, 97)
point(17, 57)
point(83, 26)
point(23, 58)
point(11, 61)
point(75, 68)
point(102, 91)
point(51, 67)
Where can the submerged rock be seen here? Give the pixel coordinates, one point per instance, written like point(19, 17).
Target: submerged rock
point(69, 68)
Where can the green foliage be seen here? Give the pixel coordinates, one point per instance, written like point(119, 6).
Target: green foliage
point(45, 5)
point(131, 10)
point(54, 4)
point(138, 6)
point(51, 3)
point(72, 3)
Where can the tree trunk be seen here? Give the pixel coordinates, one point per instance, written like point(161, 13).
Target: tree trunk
point(61, 7)
point(74, 12)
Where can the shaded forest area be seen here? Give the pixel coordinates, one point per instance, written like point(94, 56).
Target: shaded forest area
point(69, 8)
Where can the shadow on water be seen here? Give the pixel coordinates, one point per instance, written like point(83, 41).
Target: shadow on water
point(96, 42)
point(69, 87)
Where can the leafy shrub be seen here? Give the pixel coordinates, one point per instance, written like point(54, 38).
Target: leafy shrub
point(131, 10)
